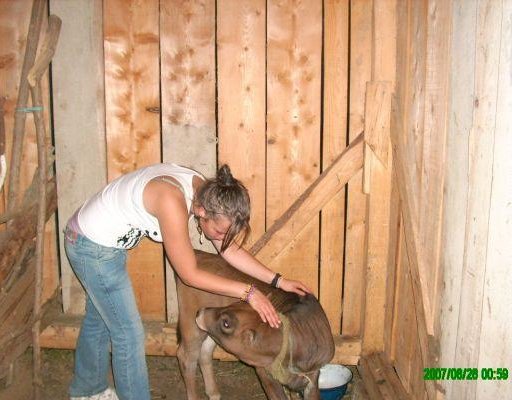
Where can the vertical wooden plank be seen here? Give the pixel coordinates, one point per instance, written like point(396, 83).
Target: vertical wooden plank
point(495, 349)
point(133, 139)
point(434, 140)
point(294, 42)
point(462, 88)
point(241, 27)
point(392, 276)
point(405, 320)
point(187, 53)
point(481, 144)
point(378, 209)
point(336, 27)
point(414, 105)
point(360, 73)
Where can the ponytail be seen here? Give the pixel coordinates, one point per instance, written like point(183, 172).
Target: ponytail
point(227, 196)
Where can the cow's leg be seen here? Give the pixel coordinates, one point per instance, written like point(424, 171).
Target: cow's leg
point(205, 361)
point(273, 389)
point(311, 392)
point(188, 355)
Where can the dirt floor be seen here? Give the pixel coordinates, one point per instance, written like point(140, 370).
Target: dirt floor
point(237, 381)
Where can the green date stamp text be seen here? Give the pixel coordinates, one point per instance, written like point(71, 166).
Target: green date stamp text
point(437, 374)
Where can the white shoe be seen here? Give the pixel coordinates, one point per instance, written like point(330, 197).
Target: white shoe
point(107, 394)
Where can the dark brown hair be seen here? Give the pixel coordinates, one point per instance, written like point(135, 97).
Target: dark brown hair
point(227, 196)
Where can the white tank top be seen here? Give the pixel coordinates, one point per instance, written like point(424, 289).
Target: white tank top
point(116, 217)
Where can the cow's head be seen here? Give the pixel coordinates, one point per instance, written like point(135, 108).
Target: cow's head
point(240, 331)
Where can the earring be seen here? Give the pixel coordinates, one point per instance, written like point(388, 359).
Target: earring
point(201, 233)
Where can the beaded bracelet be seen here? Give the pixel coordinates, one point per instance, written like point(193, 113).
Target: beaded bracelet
point(249, 291)
point(275, 281)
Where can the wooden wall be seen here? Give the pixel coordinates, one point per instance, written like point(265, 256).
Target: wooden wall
point(477, 220)
point(451, 132)
point(203, 83)
point(243, 82)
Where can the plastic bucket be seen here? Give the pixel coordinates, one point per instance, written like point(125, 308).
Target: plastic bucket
point(333, 381)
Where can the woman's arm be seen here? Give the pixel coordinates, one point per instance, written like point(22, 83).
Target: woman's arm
point(170, 209)
point(242, 260)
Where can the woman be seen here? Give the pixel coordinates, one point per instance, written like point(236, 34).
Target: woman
point(157, 202)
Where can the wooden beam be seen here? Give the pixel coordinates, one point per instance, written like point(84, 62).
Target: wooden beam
point(62, 333)
point(331, 181)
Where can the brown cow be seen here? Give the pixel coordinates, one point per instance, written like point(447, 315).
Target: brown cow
point(291, 355)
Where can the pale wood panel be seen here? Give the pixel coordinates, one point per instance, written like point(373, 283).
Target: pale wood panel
point(293, 123)
point(79, 124)
point(360, 73)
point(133, 132)
point(495, 349)
point(481, 143)
point(187, 54)
point(434, 140)
point(241, 28)
point(14, 25)
point(456, 180)
point(335, 112)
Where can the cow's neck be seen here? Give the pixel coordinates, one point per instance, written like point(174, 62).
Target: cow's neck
point(277, 369)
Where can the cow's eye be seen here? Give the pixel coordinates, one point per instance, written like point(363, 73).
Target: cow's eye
point(226, 324)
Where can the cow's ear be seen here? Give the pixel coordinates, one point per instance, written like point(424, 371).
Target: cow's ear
point(249, 336)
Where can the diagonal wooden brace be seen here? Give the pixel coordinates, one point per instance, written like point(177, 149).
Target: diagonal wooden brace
point(289, 225)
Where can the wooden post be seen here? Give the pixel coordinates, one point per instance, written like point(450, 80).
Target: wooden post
point(34, 78)
point(360, 73)
point(378, 160)
point(378, 211)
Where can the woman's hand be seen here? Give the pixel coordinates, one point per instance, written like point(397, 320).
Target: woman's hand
point(294, 286)
point(262, 305)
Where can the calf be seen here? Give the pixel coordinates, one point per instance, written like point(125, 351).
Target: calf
point(291, 355)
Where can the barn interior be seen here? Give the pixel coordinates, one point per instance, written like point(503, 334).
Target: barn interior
point(373, 136)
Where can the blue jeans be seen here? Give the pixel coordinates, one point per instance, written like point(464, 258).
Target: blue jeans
point(111, 319)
